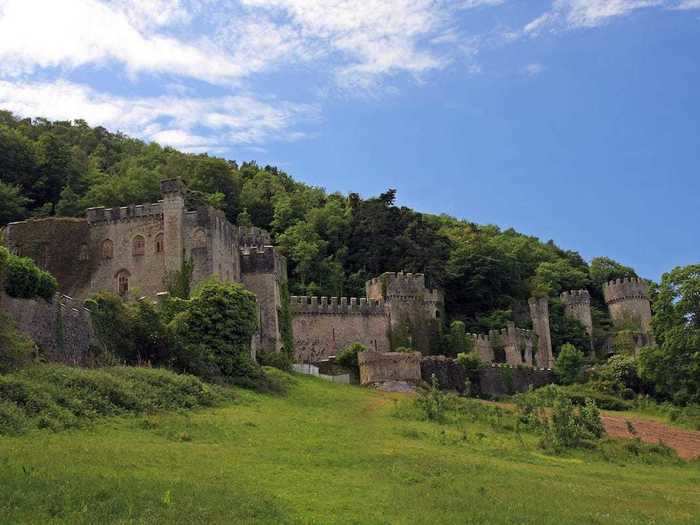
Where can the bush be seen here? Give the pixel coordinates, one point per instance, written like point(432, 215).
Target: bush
point(470, 361)
point(279, 360)
point(432, 401)
point(15, 348)
point(566, 428)
point(25, 280)
point(348, 356)
point(59, 397)
point(569, 364)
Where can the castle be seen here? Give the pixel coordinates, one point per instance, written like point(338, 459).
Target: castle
point(137, 250)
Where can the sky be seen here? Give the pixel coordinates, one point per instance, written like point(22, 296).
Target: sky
point(571, 120)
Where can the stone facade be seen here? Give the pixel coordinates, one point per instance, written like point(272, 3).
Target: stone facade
point(61, 328)
point(628, 303)
point(577, 305)
point(382, 367)
point(133, 250)
point(539, 312)
point(323, 326)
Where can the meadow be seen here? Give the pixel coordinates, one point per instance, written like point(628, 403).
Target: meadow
point(326, 453)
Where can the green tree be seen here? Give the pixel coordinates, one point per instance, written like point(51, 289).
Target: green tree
point(69, 204)
point(604, 269)
point(12, 203)
point(673, 367)
point(569, 364)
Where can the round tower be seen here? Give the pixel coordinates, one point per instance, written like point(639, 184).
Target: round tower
point(577, 305)
point(628, 302)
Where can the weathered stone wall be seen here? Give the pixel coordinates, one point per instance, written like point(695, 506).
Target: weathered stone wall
point(120, 227)
point(499, 381)
point(539, 312)
point(577, 305)
point(324, 326)
point(448, 372)
point(415, 311)
point(628, 301)
point(264, 272)
point(380, 367)
point(62, 329)
point(211, 242)
point(59, 245)
point(516, 344)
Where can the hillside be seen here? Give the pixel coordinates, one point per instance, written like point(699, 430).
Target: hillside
point(298, 459)
point(333, 242)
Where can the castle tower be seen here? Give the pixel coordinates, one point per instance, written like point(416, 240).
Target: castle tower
point(415, 311)
point(577, 305)
point(173, 223)
point(628, 302)
point(539, 313)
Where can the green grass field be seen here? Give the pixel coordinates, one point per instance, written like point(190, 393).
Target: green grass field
point(327, 454)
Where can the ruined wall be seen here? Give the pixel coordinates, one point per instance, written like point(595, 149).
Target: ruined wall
point(448, 372)
point(539, 313)
point(62, 329)
point(380, 367)
point(628, 303)
point(324, 326)
point(415, 311)
point(264, 272)
point(517, 344)
point(60, 246)
point(577, 305)
point(499, 381)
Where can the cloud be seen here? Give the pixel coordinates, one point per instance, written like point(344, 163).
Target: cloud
point(532, 70)
point(36, 34)
point(192, 124)
point(688, 4)
point(571, 14)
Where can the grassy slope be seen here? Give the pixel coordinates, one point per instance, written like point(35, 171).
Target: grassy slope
point(326, 453)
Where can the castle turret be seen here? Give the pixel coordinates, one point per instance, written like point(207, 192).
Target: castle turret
point(539, 312)
point(628, 303)
point(173, 219)
point(415, 310)
point(577, 305)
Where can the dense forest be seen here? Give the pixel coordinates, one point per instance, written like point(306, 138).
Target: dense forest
point(333, 242)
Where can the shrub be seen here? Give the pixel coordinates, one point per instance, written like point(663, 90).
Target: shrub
point(348, 356)
point(569, 364)
point(432, 401)
point(470, 361)
point(25, 280)
point(59, 397)
point(279, 360)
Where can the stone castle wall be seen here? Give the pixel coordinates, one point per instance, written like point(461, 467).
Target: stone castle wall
point(62, 328)
point(324, 326)
point(539, 313)
point(380, 367)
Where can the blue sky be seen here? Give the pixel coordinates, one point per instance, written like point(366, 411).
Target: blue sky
point(575, 120)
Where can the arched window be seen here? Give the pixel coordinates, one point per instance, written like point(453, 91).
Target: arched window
point(107, 249)
point(122, 282)
point(159, 243)
point(139, 245)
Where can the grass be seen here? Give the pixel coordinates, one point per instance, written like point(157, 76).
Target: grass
point(328, 453)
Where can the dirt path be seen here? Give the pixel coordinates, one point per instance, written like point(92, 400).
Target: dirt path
point(685, 442)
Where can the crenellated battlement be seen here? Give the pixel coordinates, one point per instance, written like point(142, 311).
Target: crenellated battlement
point(336, 305)
point(251, 236)
point(625, 289)
point(575, 297)
point(258, 259)
point(101, 215)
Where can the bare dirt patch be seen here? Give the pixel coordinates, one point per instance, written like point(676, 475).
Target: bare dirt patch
point(686, 443)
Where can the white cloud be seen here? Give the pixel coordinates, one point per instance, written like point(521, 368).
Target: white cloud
point(532, 70)
point(570, 14)
point(688, 4)
point(193, 124)
point(41, 34)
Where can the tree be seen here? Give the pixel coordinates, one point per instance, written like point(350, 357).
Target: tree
point(348, 356)
point(569, 364)
point(214, 329)
point(12, 203)
point(604, 269)
point(674, 365)
point(69, 204)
